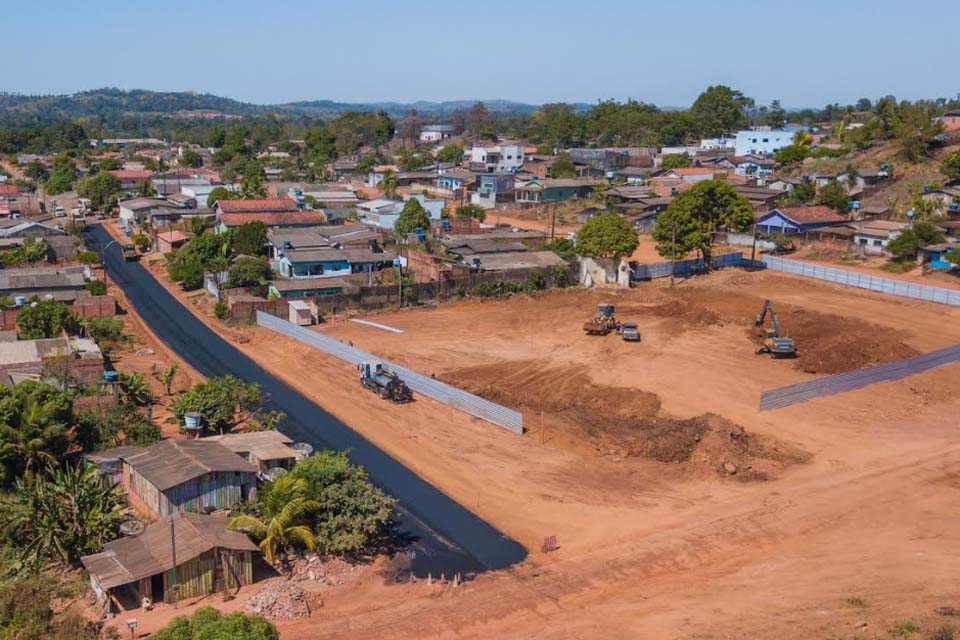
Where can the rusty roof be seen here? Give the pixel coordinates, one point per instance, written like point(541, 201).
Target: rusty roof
point(811, 215)
point(272, 205)
point(172, 462)
point(132, 558)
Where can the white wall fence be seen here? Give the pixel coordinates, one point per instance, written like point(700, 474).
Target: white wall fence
point(901, 288)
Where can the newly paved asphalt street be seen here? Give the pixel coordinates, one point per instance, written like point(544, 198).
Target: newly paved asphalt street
point(447, 536)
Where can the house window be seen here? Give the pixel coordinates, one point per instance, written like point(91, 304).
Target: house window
point(766, 139)
point(878, 243)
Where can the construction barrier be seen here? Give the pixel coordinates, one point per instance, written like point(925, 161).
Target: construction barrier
point(900, 288)
point(467, 402)
point(683, 268)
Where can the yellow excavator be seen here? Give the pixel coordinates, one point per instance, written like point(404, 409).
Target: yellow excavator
point(774, 342)
point(604, 323)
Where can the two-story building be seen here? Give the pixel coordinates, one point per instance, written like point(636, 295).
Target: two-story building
point(499, 158)
point(493, 189)
point(763, 141)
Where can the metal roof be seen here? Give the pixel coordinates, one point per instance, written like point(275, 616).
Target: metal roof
point(129, 559)
point(265, 445)
point(172, 462)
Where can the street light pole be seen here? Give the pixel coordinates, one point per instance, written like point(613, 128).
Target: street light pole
point(673, 252)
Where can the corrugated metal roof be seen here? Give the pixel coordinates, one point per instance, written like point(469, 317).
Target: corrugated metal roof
point(128, 559)
point(265, 445)
point(172, 462)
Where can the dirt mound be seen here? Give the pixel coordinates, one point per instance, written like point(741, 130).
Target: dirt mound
point(279, 600)
point(687, 314)
point(625, 423)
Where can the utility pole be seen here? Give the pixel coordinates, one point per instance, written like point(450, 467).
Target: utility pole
point(673, 253)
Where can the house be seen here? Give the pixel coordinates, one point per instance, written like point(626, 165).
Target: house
point(632, 175)
point(514, 261)
point(170, 185)
point(169, 240)
point(799, 220)
point(135, 569)
point(872, 236)
point(456, 179)
point(60, 246)
point(715, 144)
point(600, 161)
point(61, 284)
point(493, 189)
point(265, 450)
point(431, 133)
point(381, 212)
point(785, 185)
point(764, 141)
point(936, 255)
point(760, 198)
point(158, 211)
point(553, 190)
point(311, 287)
point(949, 197)
point(130, 181)
point(500, 158)
point(76, 361)
point(753, 166)
point(325, 262)
point(271, 205)
point(322, 196)
point(950, 120)
point(187, 475)
point(690, 174)
point(434, 208)
point(278, 220)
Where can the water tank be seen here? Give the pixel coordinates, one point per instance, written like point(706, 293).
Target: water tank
point(20, 300)
point(191, 420)
point(110, 375)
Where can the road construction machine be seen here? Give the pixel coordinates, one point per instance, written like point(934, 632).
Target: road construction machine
point(386, 384)
point(129, 252)
point(604, 322)
point(774, 342)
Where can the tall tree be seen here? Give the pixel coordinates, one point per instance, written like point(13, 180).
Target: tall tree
point(694, 218)
point(284, 517)
point(101, 188)
point(606, 236)
point(412, 216)
point(719, 110)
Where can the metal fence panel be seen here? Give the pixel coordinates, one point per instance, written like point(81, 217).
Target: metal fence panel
point(467, 402)
point(890, 286)
point(684, 267)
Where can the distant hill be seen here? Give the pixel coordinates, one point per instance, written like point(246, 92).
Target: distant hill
point(116, 104)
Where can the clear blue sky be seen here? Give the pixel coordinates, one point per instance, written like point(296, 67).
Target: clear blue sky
point(804, 53)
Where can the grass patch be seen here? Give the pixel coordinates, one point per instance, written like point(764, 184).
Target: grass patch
point(946, 632)
point(856, 601)
point(898, 266)
point(904, 629)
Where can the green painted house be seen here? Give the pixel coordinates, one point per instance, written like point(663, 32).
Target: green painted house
point(543, 190)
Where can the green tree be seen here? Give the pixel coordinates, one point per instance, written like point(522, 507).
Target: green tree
point(248, 239)
point(354, 516)
point(101, 188)
point(284, 522)
point(675, 161)
point(121, 424)
point(31, 250)
point(191, 159)
point(207, 623)
point(563, 167)
point(104, 329)
point(248, 271)
point(134, 389)
point(606, 235)
point(791, 154)
point(37, 171)
point(219, 193)
point(33, 428)
point(222, 402)
point(110, 164)
point(915, 130)
point(166, 377)
point(62, 513)
point(776, 115)
point(950, 167)
point(557, 124)
point(388, 184)
point(253, 186)
point(451, 153)
point(834, 196)
point(908, 242)
point(45, 319)
point(471, 212)
point(694, 218)
point(804, 192)
point(411, 217)
point(719, 110)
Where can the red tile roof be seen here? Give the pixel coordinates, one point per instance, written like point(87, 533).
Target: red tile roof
point(693, 171)
point(123, 174)
point(9, 190)
point(812, 215)
point(257, 206)
point(173, 236)
point(276, 219)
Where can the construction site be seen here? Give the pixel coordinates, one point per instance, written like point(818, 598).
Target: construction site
point(648, 462)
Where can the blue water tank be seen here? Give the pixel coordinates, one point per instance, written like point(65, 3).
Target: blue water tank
point(191, 420)
point(19, 300)
point(110, 375)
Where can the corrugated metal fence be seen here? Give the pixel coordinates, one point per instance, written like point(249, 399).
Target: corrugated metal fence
point(889, 286)
point(684, 267)
point(468, 403)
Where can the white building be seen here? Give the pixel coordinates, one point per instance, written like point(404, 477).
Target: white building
point(714, 144)
point(873, 236)
point(436, 132)
point(763, 142)
point(501, 158)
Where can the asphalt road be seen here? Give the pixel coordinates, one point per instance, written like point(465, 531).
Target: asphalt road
point(446, 536)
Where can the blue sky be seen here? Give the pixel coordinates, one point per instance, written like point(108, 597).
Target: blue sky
point(804, 53)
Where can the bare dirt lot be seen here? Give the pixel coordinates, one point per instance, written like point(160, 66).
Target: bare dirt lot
point(680, 510)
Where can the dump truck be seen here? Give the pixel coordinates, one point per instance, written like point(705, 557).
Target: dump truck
point(630, 332)
point(129, 252)
point(604, 322)
point(774, 342)
point(386, 384)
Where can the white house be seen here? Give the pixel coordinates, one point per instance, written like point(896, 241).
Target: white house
point(715, 144)
point(436, 132)
point(501, 158)
point(871, 237)
point(763, 142)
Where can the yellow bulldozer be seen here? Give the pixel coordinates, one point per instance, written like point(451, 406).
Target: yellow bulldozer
point(774, 342)
point(603, 323)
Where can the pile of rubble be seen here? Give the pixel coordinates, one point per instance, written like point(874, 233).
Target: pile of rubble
point(317, 568)
point(279, 600)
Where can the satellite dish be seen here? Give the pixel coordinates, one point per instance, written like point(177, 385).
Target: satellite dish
point(302, 447)
point(132, 528)
point(276, 472)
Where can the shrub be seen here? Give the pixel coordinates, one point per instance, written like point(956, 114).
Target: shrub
point(88, 257)
point(221, 310)
point(101, 329)
point(96, 287)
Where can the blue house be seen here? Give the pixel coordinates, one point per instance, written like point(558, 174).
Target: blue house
point(936, 255)
point(456, 179)
point(798, 220)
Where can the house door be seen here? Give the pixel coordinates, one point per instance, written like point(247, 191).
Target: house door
point(156, 587)
point(218, 571)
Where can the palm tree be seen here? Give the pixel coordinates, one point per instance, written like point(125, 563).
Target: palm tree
point(389, 183)
point(284, 508)
point(134, 389)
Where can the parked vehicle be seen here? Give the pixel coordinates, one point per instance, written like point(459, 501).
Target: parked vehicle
point(630, 332)
point(385, 384)
point(130, 252)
